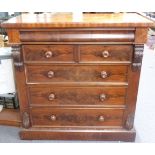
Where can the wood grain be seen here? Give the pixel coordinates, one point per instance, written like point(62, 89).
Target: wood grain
point(92, 53)
point(59, 53)
point(66, 20)
point(76, 73)
point(141, 35)
point(131, 98)
point(76, 96)
point(98, 134)
point(75, 117)
point(78, 35)
point(21, 86)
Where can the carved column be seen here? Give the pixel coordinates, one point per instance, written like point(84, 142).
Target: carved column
point(26, 120)
point(17, 56)
point(137, 57)
point(129, 121)
point(133, 84)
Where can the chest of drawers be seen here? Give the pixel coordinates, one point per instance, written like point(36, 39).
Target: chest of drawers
point(78, 80)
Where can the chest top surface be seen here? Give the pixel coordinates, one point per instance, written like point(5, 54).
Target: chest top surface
point(67, 20)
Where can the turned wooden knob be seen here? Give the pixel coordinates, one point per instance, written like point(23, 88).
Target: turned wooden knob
point(50, 74)
point(104, 74)
point(53, 117)
point(101, 118)
point(105, 54)
point(48, 54)
point(51, 97)
point(102, 97)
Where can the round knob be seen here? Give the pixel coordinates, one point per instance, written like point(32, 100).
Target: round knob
point(104, 74)
point(102, 97)
point(105, 54)
point(51, 97)
point(53, 117)
point(50, 74)
point(101, 118)
point(48, 54)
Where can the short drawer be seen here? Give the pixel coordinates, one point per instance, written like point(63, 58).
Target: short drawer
point(76, 73)
point(49, 53)
point(101, 53)
point(77, 96)
point(76, 117)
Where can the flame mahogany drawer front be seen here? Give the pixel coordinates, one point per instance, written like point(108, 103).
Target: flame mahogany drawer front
point(49, 53)
point(77, 96)
point(99, 53)
point(124, 35)
point(47, 117)
point(68, 53)
point(76, 73)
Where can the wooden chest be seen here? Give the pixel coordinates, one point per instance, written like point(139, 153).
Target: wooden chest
point(78, 80)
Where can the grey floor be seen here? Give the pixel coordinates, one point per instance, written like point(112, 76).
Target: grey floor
point(145, 112)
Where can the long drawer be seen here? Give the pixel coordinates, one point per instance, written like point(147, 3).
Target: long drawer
point(76, 73)
point(47, 117)
point(76, 96)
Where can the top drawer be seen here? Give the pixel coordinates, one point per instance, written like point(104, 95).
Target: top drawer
point(103, 53)
point(73, 35)
point(49, 53)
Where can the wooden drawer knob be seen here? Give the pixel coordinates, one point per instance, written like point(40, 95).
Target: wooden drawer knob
point(48, 54)
point(104, 74)
point(105, 54)
point(50, 74)
point(53, 117)
point(51, 97)
point(101, 118)
point(102, 97)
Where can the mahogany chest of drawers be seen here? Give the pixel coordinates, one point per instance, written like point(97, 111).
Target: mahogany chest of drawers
point(78, 80)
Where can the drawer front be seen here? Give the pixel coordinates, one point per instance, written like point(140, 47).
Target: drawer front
point(76, 73)
point(85, 35)
point(52, 53)
point(76, 117)
point(101, 53)
point(77, 96)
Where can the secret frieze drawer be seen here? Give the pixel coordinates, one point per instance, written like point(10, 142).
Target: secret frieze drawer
point(76, 35)
point(76, 96)
point(50, 117)
point(76, 73)
point(74, 53)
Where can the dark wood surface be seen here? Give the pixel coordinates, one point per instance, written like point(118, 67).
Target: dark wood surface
point(104, 53)
point(100, 134)
point(81, 53)
point(77, 96)
point(49, 53)
point(76, 73)
point(47, 117)
point(74, 35)
point(78, 80)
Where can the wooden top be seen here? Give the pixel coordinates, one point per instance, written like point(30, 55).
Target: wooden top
point(67, 20)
